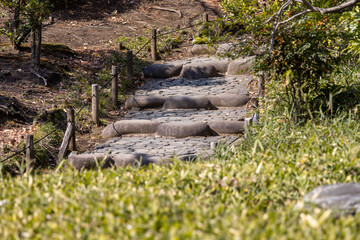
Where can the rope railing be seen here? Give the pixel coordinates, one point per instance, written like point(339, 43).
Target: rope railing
point(155, 36)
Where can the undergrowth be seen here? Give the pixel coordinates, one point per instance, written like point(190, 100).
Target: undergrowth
point(247, 191)
point(45, 150)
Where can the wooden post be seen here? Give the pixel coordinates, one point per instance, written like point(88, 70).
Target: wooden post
point(153, 45)
point(205, 18)
point(114, 85)
point(129, 66)
point(38, 45)
point(66, 141)
point(30, 155)
point(95, 104)
point(71, 119)
point(261, 85)
point(121, 46)
point(204, 24)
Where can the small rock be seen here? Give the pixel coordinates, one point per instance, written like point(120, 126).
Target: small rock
point(240, 66)
point(343, 196)
point(225, 48)
point(201, 49)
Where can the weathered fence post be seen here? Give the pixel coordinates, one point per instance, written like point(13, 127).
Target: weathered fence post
point(71, 119)
point(30, 155)
point(153, 45)
point(121, 46)
point(205, 18)
point(95, 104)
point(114, 85)
point(129, 66)
point(66, 141)
point(261, 85)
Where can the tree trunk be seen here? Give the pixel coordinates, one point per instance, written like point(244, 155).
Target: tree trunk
point(15, 27)
point(36, 34)
point(33, 44)
point(38, 44)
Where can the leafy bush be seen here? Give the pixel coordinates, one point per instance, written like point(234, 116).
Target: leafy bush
point(303, 58)
point(301, 54)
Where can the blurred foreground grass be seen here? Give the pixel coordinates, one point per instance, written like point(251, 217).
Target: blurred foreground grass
point(247, 192)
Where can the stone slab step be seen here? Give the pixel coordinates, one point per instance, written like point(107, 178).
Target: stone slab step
point(187, 102)
point(174, 115)
point(124, 127)
point(199, 87)
point(177, 129)
point(199, 67)
point(145, 150)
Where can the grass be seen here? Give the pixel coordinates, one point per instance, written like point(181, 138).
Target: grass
point(247, 192)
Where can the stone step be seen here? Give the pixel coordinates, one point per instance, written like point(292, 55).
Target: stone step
point(174, 115)
point(187, 102)
point(176, 129)
point(199, 67)
point(199, 87)
point(125, 151)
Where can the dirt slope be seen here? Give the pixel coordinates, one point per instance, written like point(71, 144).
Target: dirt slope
point(88, 26)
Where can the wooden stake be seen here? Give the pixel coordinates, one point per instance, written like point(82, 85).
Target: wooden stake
point(205, 18)
point(261, 85)
point(95, 104)
point(114, 85)
point(204, 24)
point(129, 66)
point(153, 45)
point(66, 141)
point(30, 155)
point(71, 119)
point(38, 44)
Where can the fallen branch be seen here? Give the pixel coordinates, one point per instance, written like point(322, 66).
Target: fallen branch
point(168, 9)
point(276, 24)
point(39, 76)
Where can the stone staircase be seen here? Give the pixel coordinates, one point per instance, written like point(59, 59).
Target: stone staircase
point(184, 109)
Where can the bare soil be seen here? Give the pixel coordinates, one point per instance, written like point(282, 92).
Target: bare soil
point(80, 40)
